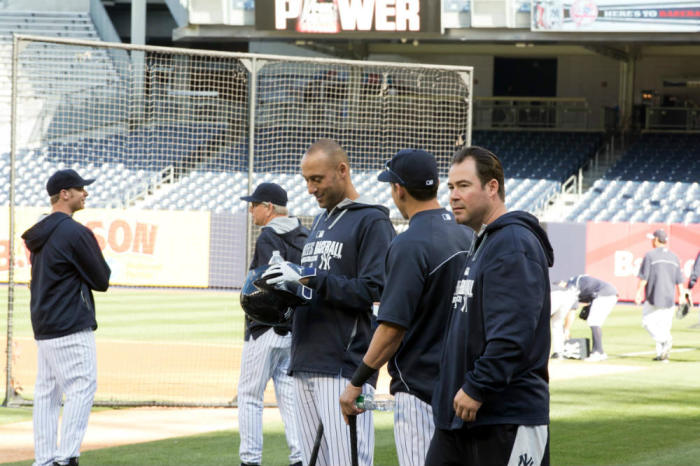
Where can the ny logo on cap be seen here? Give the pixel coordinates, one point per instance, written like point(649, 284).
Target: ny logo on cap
point(430, 182)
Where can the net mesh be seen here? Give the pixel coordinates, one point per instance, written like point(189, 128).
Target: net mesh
point(173, 139)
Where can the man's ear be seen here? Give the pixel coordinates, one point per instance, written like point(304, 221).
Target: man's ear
point(492, 187)
point(343, 168)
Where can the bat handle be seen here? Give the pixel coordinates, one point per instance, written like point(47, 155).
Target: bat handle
point(352, 422)
point(317, 445)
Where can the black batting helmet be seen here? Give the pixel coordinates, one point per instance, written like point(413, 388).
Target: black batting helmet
point(267, 304)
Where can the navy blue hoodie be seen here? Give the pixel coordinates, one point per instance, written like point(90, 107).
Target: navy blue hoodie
point(286, 235)
point(347, 246)
point(67, 264)
point(497, 343)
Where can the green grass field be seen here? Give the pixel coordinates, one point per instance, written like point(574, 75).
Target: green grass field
point(650, 416)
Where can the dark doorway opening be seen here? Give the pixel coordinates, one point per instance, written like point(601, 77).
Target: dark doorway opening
point(525, 77)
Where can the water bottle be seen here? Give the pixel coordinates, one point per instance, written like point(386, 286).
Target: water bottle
point(276, 258)
point(367, 402)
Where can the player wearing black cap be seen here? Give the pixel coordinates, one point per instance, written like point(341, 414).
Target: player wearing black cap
point(422, 261)
point(659, 275)
point(491, 401)
point(266, 349)
point(67, 265)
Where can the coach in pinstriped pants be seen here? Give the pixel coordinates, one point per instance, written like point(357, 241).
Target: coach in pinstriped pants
point(266, 349)
point(67, 264)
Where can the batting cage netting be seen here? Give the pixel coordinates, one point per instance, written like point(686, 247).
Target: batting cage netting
point(174, 137)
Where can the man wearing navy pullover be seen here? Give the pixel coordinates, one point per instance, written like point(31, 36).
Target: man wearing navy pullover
point(67, 264)
point(491, 403)
point(343, 263)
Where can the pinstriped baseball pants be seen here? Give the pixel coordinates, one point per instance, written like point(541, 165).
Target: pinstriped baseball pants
point(263, 358)
point(413, 429)
point(66, 366)
point(318, 400)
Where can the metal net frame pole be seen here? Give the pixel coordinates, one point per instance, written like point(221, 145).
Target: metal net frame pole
point(9, 389)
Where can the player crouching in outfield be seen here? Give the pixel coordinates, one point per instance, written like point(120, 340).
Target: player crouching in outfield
point(266, 349)
point(67, 264)
point(491, 402)
point(422, 265)
point(343, 263)
point(602, 297)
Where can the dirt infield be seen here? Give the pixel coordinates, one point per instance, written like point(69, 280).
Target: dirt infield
point(137, 425)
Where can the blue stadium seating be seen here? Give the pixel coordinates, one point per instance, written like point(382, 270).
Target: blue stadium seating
point(657, 180)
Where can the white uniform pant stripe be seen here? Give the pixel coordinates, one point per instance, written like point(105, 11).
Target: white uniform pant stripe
point(263, 358)
point(318, 398)
point(66, 365)
point(529, 446)
point(413, 429)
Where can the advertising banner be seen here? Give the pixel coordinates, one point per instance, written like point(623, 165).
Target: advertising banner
point(142, 247)
point(614, 251)
point(348, 16)
point(615, 15)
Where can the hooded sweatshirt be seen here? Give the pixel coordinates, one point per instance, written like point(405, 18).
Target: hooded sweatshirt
point(347, 246)
point(67, 264)
point(497, 343)
point(283, 234)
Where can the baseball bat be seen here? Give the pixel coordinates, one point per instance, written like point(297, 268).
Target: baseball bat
point(317, 444)
point(352, 422)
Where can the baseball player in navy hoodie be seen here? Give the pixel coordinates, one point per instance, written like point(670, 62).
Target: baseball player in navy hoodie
point(491, 402)
point(67, 264)
point(414, 305)
point(343, 263)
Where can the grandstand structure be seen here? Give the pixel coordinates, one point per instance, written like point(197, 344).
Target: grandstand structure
point(175, 137)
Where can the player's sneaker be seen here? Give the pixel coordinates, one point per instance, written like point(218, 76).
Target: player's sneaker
point(596, 357)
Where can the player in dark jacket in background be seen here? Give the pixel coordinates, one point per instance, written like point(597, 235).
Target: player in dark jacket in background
point(266, 349)
point(422, 265)
point(67, 264)
point(491, 403)
point(343, 263)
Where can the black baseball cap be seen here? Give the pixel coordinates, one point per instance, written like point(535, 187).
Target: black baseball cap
point(658, 234)
point(66, 179)
point(268, 192)
point(412, 168)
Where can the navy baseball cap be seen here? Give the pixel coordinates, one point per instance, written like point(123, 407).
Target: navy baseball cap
point(412, 168)
point(658, 234)
point(268, 192)
point(66, 179)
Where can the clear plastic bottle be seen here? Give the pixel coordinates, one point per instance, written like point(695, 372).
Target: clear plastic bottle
point(276, 258)
point(367, 402)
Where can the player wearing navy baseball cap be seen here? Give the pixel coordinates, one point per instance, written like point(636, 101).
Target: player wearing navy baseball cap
point(266, 349)
point(67, 266)
point(66, 179)
point(423, 263)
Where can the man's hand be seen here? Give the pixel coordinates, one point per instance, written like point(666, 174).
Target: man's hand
point(639, 298)
point(466, 406)
point(287, 272)
point(347, 401)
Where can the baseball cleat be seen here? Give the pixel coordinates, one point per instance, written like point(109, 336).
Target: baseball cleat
point(596, 357)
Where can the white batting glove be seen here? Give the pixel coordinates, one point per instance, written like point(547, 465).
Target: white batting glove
point(287, 272)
